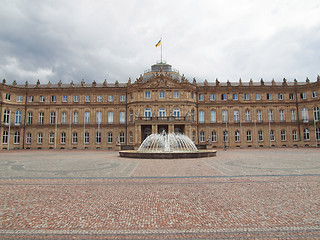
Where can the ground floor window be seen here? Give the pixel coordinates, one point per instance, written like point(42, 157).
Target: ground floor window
point(109, 137)
point(75, 137)
point(202, 137)
point(249, 136)
point(306, 134)
point(28, 138)
point(5, 137)
point(272, 138)
point(130, 137)
point(40, 137)
point(318, 133)
point(237, 136)
point(214, 136)
point(294, 135)
point(16, 137)
point(86, 138)
point(51, 138)
point(63, 138)
point(260, 135)
point(98, 137)
point(283, 135)
point(122, 137)
point(194, 136)
point(225, 136)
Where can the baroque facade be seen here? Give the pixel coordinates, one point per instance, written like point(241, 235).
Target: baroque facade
point(114, 115)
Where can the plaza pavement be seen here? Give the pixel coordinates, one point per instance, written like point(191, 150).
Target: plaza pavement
point(241, 193)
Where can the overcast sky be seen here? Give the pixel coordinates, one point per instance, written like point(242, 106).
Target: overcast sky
point(115, 39)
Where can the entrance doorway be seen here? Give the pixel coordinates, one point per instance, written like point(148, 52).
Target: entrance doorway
point(162, 128)
point(146, 130)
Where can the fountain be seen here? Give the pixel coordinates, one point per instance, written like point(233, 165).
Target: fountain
point(163, 145)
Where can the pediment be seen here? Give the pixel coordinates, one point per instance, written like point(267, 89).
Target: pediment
point(162, 82)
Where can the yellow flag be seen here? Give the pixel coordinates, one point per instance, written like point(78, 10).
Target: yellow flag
point(159, 43)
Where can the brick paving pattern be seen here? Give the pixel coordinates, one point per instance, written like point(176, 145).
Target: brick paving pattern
point(160, 199)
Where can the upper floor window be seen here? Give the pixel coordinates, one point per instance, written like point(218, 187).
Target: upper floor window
point(247, 115)
point(6, 117)
point(259, 116)
point(280, 96)
point(236, 116)
point(30, 99)
point(176, 112)
point(19, 98)
point(75, 117)
point(76, 98)
point(201, 97)
point(192, 95)
point(201, 116)
point(281, 114)
point(110, 98)
point(87, 98)
point(131, 96)
point(305, 116)
point(162, 112)
point(316, 115)
point(52, 118)
point(303, 95)
point(63, 117)
point(213, 117)
point(223, 97)
point(235, 97)
point(86, 117)
point(224, 116)
point(122, 98)
point(99, 117)
point(147, 95)
point(258, 96)
point(162, 95)
point(246, 97)
point(41, 118)
point(29, 118)
point(212, 97)
point(18, 118)
point(42, 98)
point(293, 115)
point(8, 97)
point(314, 94)
point(291, 96)
point(270, 115)
point(122, 117)
point(176, 94)
point(147, 112)
point(53, 98)
point(110, 117)
point(64, 98)
point(99, 98)
point(269, 96)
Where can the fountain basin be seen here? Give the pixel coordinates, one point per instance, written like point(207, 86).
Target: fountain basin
point(168, 155)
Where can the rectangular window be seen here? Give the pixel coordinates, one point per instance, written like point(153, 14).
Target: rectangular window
point(249, 137)
point(162, 95)
point(19, 98)
point(17, 118)
point(121, 137)
point(86, 138)
point(225, 136)
point(52, 118)
point(110, 117)
point(30, 99)
point(16, 137)
point(8, 97)
point(202, 137)
point(306, 134)
point(235, 97)
point(42, 98)
point(283, 135)
point(30, 116)
point(293, 115)
point(98, 137)
point(291, 96)
point(305, 116)
point(247, 115)
point(201, 97)
point(74, 137)
point(109, 137)
point(212, 97)
point(270, 115)
point(303, 95)
point(87, 98)
point(40, 138)
point(258, 96)
point(201, 116)
point(86, 117)
point(75, 117)
point(316, 115)
point(41, 118)
point(99, 117)
point(122, 118)
point(281, 114)
point(176, 94)
point(259, 116)
point(63, 118)
point(28, 139)
point(147, 95)
point(51, 138)
point(224, 116)
point(63, 138)
point(64, 98)
point(214, 136)
point(237, 136)
point(53, 98)
point(224, 97)
point(76, 98)
point(213, 117)
point(236, 116)
point(269, 96)
point(110, 98)
point(280, 96)
point(99, 98)
point(272, 135)
point(122, 98)
point(314, 94)
point(246, 97)
point(294, 135)
point(6, 117)
point(5, 137)
point(260, 135)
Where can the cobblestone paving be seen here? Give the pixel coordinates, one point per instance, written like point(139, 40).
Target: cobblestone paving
point(125, 202)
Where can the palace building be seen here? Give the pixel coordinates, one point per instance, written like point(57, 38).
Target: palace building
point(121, 115)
